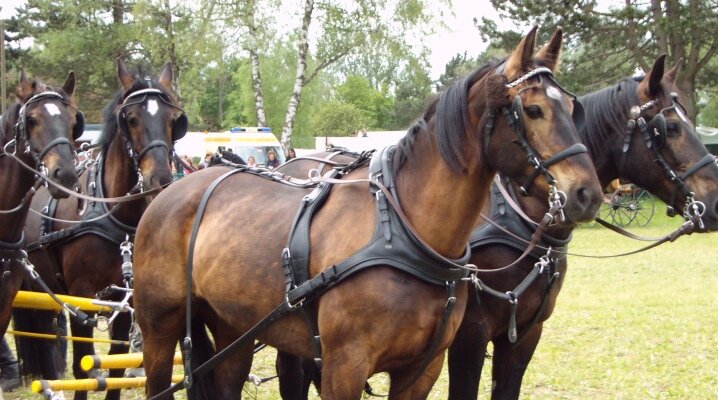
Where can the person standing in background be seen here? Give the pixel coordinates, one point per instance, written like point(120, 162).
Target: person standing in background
point(272, 161)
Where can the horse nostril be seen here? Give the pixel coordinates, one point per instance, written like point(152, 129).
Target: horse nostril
point(589, 199)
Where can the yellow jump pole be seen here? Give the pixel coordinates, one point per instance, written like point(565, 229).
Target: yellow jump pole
point(43, 301)
point(73, 338)
point(110, 361)
point(96, 384)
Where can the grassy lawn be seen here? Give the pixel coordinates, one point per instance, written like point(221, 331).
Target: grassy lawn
point(637, 327)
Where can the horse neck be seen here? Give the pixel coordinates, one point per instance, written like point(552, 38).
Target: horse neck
point(603, 151)
point(119, 178)
point(16, 182)
point(441, 204)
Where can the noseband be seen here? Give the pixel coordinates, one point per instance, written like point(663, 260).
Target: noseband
point(514, 116)
point(22, 136)
point(654, 136)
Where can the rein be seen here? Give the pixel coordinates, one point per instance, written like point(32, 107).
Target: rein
point(123, 199)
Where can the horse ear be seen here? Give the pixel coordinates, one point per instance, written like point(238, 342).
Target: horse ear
point(125, 77)
point(520, 59)
point(551, 52)
point(671, 75)
point(24, 89)
point(166, 76)
point(69, 85)
point(652, 85)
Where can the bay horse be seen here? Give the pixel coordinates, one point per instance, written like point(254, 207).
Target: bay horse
point(618, 149)
point(40, 128)
point(141, 124)
point(382, 318)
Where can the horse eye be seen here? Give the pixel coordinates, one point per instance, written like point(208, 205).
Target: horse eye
point(673, 129)
point(30, 121)
point(534, 112)
point(133, 121)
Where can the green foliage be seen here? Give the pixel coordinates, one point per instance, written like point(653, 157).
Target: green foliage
point(411, 96)
point(338, 119)
point(374, 104)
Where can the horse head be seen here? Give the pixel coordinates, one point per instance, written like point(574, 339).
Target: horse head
point(661, 151)
point(149, 121)
point(528, 107)
point(46, 122)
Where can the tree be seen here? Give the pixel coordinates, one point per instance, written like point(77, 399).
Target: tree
point(374, 104)
point(605, 44)
point(344, 30)
point(338, 119)
point(81, 35)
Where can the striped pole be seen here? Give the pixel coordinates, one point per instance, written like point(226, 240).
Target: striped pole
point(110, 361)
point(96, 384)
point(43, 301)
point(73, 338)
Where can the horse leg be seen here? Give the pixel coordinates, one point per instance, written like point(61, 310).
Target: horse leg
point(291, 376)
point(79, 350)
point(510, 362)
point(466, 360)
point(231, 374)
point(344, 373)
point(159, 339)
point(418, 388)
point(120, 330)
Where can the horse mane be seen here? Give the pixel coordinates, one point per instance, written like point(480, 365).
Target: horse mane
point(8, 120)
point(111, 126)
point(451, 119)
point(606, 112)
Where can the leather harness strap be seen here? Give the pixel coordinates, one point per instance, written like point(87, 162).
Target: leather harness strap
point(408, 255)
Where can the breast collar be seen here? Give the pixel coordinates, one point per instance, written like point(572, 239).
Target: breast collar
point(504, 215)
point(108, 227)
point(392, 244)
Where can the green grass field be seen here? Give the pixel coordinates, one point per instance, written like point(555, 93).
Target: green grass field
point(637, 327)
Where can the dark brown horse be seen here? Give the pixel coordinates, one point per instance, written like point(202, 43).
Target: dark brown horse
point(615, 155)
point(381, 318)
point(141, 123)
point(39, 131)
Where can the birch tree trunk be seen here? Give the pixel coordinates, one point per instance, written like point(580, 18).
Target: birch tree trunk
point(303, 46)
point(252, 47)
point(172, 50)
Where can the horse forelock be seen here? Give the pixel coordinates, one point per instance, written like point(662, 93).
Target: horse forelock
point(450, 113)
point(606, 113)
point(110, 126)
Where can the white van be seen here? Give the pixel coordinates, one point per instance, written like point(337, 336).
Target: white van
point(245, 142)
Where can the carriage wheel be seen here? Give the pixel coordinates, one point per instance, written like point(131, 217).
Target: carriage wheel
point(605, 212)
point(645, 206)
point(624, 208)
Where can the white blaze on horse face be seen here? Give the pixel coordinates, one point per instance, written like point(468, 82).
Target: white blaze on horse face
point(152, 107)
point(52, 109)
point(553, 93)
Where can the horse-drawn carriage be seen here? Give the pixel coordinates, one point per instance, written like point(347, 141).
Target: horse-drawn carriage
point(628, 204)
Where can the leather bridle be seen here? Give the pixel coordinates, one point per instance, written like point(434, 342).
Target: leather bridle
point(514, 116)
point(654, 137)
point(127, 139)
